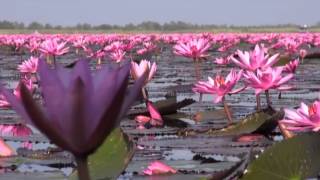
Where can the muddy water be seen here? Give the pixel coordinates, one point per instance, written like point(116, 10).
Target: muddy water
point(194, 156)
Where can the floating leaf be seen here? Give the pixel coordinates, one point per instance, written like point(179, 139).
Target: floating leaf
point(111, 158)
point(186, 88)
point(313, 55)
point(295, 158)
point(210, 115)
point(167, 106)
point(176, 120)
point(283, 60)
point(258, 122)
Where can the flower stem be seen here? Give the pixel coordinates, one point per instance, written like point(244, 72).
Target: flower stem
point(197, 70)
point(286, 134)
point(144, 93)
point(54, 60)
point(198, 75)
point(227, 111)
point(82, 167)
point(258, 102)
point(268, 98)
point(279, 96)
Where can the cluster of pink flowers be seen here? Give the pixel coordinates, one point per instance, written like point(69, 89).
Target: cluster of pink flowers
point(258, 71)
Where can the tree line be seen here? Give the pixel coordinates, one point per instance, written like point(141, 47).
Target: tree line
point(147, 25)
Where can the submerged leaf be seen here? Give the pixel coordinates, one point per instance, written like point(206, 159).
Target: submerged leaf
point(295, 158)
point(111, 158)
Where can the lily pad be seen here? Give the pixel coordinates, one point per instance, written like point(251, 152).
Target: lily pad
point(210, 115)
point(109, 161)
point(165, 107)
point(295, 158)
point(259, 122)
point(283, 60)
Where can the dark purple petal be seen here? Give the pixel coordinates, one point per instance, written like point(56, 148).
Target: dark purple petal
point(105, 93)
point(82, 70)
point(109, 119)
point(76, 125)
point(53, 91)
point(51, 130)
point(132, 94)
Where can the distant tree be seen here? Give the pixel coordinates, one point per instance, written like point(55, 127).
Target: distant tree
point(129, 26)
point(6, 25)
point(35, 26)
point(103, 27)
point(58, 27)
point(149, 25)
point(48, 26)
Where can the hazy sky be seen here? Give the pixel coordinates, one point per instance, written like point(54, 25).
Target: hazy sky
point(238, 12)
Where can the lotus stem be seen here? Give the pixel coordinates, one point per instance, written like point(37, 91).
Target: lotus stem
point(258, 102)
point(198, 75)
point(227, 111)
point(268, 98)
point(197, 69)
point(98, 65)
point(285, 133)
point(82, 167)
point(21, 59)
point(279, 96)
point(144, 93)
point(48, 59)
point(54, 60)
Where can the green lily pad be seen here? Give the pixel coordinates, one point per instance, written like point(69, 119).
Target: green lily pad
point(109, 161)
point(258, 122)
point(210, 115)
point(295, 158)
point(283, 60)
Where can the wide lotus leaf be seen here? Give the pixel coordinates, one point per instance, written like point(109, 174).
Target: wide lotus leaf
point(296, 158)
point(259, 122)
point(111, 158)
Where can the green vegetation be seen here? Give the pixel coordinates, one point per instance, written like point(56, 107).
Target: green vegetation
point(7, 27)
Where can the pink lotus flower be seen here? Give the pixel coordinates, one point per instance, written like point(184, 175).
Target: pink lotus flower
point(33, 45)
point(3, 102)
point(195, 48)
point(5, 149)
point(53, 47)
point(291, 67)
point(219, 86)
point(147, 47)
point(222, 60)
point(17, 131)
point(158, 167)
point(155, 118)
point(117, 55)
point(267, 79)
point(255, 59)
point(29, 66)
point(80, 42)
point(137, 70)
point(303, 53)
point(304, 118)
point(116, 45)
point(28, 83)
